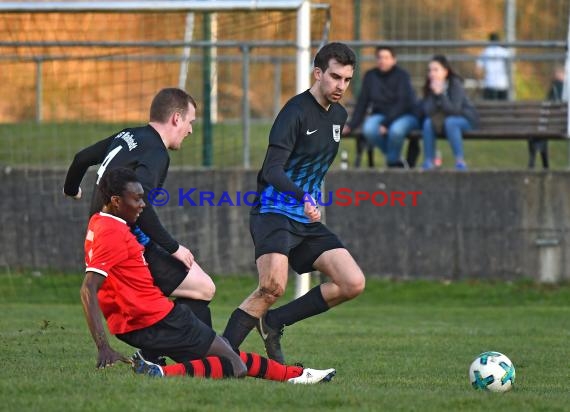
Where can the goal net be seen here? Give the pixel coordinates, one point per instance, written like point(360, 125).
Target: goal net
point(99, 71)
point(75, 76)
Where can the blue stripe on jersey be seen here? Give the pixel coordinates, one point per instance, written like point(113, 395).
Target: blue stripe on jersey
point(308, 177)
point(142, 238)
point(305, 176)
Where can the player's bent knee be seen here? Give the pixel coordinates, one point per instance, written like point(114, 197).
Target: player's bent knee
point(271, 293)
point(205, 290)
point(354, 287)
point(203, 281)
point(196, 286)
point(209, 289)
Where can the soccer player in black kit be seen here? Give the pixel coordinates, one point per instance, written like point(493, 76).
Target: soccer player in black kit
point(285, 223)
point(145, 151)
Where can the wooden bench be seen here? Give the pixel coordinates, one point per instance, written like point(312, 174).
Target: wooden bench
point(505, 120)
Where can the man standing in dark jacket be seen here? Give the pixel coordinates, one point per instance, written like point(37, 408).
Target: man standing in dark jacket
point(387, 90)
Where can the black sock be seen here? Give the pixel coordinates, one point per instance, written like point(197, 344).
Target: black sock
point(199, 307)
point(238, 327)
point(310, 304)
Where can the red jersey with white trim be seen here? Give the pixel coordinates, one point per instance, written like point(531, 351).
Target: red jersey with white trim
point(128, 297)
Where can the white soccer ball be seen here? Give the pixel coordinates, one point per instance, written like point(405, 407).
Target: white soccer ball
point(492, 371)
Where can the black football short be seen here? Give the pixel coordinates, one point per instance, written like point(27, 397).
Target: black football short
point(167, 271)
point(180, 335)
point(303, 243)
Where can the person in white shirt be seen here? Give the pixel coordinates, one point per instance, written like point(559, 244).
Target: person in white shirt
point(492, 67)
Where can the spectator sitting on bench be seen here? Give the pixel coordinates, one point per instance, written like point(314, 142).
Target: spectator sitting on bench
point(389, 91)
point(447, 111)
point(554, 95)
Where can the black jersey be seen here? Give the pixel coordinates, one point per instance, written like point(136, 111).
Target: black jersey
point(140, 149)
point(311, 134)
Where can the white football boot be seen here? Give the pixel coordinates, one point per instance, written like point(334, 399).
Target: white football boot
point(311, 376)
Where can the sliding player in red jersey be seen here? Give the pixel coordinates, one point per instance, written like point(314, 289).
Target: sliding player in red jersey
point(118, 285)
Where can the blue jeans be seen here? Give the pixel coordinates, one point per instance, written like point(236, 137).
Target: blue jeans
point(453, 127)
point(390, 145)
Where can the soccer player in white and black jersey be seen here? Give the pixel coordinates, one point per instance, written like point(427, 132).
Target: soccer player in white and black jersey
point(145, 151)
point(285, 222)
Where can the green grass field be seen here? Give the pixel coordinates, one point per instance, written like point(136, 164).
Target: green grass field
point(400, 346)
point(55, 144)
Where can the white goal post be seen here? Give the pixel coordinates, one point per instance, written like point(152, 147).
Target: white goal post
point(303, 280)
point(142, 5)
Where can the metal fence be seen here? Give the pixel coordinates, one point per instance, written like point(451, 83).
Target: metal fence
point(90, 73)
point(241, 68)
point(253, 80)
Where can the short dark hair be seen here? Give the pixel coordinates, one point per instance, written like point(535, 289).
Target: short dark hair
point(168, 101)
point(494, 36)
point(387, 48)
point(114, 182)
point(338, 51)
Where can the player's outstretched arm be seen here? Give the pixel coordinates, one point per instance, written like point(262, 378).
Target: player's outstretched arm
point(107, 356)
point(87, 157)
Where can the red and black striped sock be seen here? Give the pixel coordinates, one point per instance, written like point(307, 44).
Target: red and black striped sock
point(261, 367)
point(211, 367)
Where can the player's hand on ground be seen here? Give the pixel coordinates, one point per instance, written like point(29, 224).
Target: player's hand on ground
point(312, 211)
point(184, 255)
point(108, 357)
point(77, 196)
